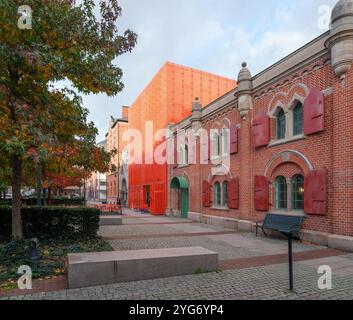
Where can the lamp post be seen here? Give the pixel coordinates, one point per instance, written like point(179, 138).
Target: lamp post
point(290, 262)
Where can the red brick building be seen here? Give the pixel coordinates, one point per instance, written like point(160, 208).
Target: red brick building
point(282, 142)
point(114, 140)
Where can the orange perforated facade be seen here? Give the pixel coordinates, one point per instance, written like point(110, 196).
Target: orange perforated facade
point(166, 99)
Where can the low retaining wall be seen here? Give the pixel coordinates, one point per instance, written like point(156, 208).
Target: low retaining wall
point(324, 239)
point(111, 221)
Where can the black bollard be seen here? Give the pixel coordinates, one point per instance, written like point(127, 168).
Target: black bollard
point(290, 256)
point(33, 250)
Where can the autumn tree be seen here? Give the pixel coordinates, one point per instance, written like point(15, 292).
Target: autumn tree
point(67, 150)
point(5, 174)
point(66, 41)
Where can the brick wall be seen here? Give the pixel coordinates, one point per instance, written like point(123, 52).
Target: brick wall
point(115, 141)
point(331, 149)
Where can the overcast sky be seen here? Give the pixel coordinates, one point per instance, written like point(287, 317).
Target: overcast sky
point(211, 35)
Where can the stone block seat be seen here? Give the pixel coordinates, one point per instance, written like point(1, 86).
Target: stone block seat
point(110, 221)
point(94, 269)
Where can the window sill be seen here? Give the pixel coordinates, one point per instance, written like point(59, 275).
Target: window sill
point(216, 158)
point(275, 143)
point(220, 208)
point(299, 213)
point(219, 159)
point(183, 166)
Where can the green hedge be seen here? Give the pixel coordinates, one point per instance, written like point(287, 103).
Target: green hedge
point(54, 202)
point(53, 223)
point(6, 202)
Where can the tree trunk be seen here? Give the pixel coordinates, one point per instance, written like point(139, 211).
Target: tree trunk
point(43, 198)
point(49, 196)
point(84, 192)
point(39, 185)
point(17, 231)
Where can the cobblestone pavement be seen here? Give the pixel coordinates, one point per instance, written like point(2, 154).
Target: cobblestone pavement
point(265, 282)
point(269, 282)
point(153, 227)
point(228, 246)
point(224, 250)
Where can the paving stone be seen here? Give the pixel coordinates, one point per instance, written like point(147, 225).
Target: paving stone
point(258, 283)
point(253, 283)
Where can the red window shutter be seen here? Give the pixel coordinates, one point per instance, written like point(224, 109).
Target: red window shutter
point(233, 139)
point(233, 194)
point(206, 194)
point(261, 130)
point(261, 194)
point(315, 194)
point(314, 112)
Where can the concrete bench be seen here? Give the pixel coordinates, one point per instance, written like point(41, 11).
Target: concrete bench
point(111, 221)
point(93, 269)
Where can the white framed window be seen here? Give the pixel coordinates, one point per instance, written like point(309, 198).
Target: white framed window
point(298, 119)
point(186, 155)
point(225, 142)
point(281, 125)
point(216, 145)
point(218, 195)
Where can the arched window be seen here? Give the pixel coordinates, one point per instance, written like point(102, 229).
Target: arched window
point(281, 193)
point(181, 156)
point(298, 119)
point(225, 142)
point(186, 155)
point(225, 194)
point(298, 192)
point(124, 191)
point(281, 125)
point(217, 190)
point(217, 145)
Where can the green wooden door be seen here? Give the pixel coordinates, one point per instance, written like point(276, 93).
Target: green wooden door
point(184, 203)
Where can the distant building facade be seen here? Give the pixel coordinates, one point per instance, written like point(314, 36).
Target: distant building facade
point(96, 185)
point(124, 178)
point(114, 139)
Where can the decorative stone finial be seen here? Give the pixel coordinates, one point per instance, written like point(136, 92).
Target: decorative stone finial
point(243, 92)
point(341, 37)
point(196, 106)
point(244, 78)
point(196, 115)
point(342, 9)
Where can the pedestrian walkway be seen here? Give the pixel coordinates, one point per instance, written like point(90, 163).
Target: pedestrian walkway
point(250, 267)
